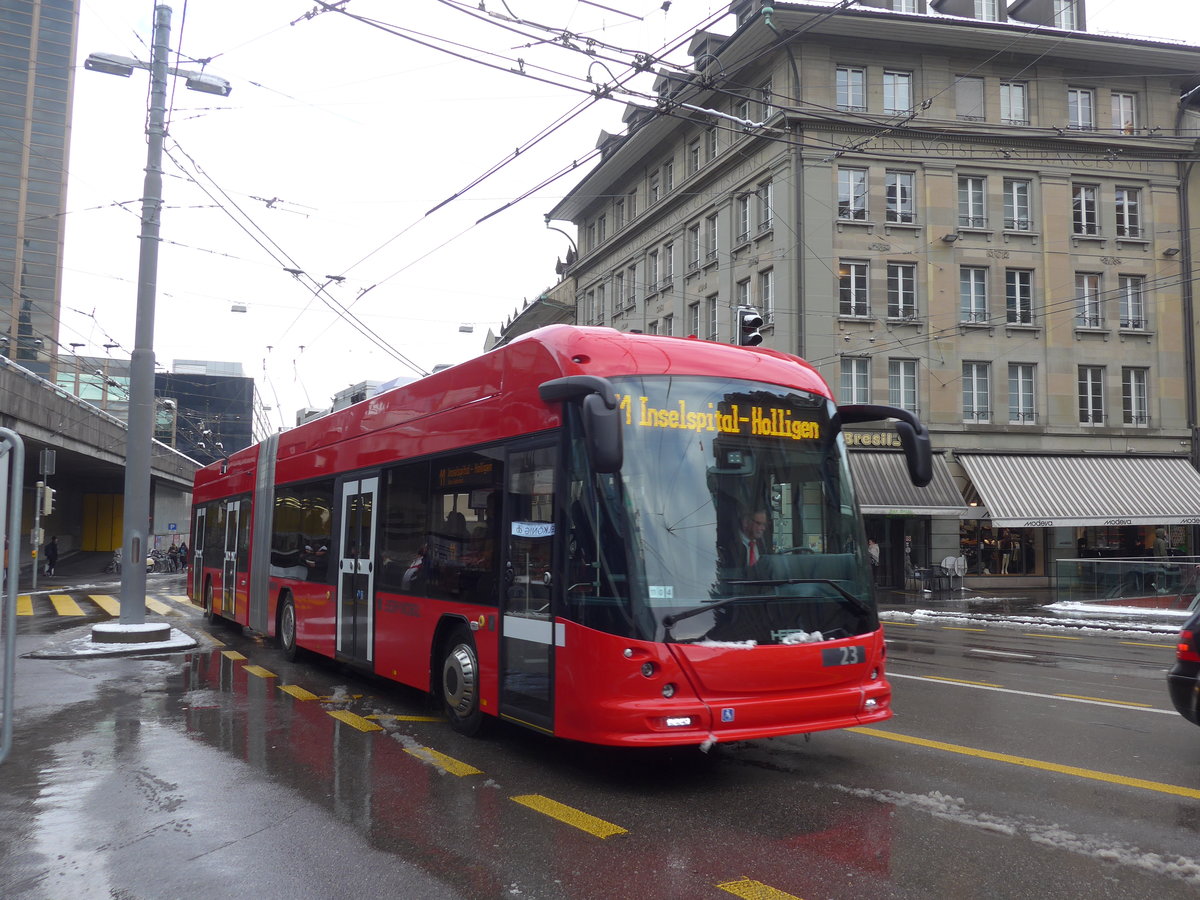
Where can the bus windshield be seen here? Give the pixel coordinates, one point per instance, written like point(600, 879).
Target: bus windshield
point(732, 519)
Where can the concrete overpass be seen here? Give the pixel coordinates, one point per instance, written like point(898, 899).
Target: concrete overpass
point(89, 477)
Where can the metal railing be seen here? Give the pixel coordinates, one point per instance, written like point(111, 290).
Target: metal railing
point(1158, 582)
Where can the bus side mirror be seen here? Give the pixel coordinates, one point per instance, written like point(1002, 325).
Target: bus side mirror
point(602, 431)
point(914, 437)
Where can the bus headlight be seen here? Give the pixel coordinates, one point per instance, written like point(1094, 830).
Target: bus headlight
point(648, 669)
point(668, 690)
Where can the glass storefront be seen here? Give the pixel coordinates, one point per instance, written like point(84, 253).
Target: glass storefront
point(1001, 551)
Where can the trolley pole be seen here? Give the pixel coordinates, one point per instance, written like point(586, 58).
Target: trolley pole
point(141, 369)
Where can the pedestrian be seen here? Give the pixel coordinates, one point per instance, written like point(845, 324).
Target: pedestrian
point(873, 553)
point(173, 558)
point(183, 555)
point(51, 552)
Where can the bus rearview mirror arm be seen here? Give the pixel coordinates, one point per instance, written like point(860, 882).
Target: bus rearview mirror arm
point(914, 436)
point(601, 417)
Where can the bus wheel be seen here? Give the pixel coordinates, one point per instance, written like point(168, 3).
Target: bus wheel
point(460, 683)
point(286, 632)
point(210, 614)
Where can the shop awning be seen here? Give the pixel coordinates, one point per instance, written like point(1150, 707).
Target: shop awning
point(1020, 491)
point(884, 488)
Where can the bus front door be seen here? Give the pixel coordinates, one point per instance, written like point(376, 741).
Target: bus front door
point(197, 555)
point(229, 566)
point(356, 570)
point(527, 654)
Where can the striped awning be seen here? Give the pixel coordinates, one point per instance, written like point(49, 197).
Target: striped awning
point(1028, 491)
point(885, 489)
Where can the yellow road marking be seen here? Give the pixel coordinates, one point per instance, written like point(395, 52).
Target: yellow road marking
point(959, 681)
point(1106, 700)
point(260, 671)
point(1076, 771)
point(570, 815)
point(889, 624)
point(354, 721)
point(159, 607)
point(959, 628)
point(24, 605)
point(110, 605)
point(441, 760)
point(65, 606)
point(298, 692)
point(1140, 644)
point(748, 889)
point(1055, 637)
point(408, 718)
point(183, 598)
point(232, 654)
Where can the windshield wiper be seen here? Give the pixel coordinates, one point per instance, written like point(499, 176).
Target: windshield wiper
point(671, 620)
point(845, 596)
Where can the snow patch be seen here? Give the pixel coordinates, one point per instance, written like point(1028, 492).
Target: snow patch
point(727, 645)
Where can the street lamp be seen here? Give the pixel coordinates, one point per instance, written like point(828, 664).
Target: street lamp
point(140, 433)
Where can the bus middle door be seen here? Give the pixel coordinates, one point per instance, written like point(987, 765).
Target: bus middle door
point(229, 565)
point(527, 652)
point(356, 570)
point(197, 555)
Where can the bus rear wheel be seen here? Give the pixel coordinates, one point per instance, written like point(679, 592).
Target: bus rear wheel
point(210, 614)
point(460, 683)
point(286, 632)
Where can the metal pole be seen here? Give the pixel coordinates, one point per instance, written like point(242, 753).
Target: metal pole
point(12, 467)
point(141, 370)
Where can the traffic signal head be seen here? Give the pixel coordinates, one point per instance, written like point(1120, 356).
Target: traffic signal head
point(748, 323)
point(47, 500)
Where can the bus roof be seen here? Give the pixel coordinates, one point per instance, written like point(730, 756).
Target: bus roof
point(517, 369)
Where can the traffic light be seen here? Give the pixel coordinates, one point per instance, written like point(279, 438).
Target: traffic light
point(748, 323)
point(47, 500)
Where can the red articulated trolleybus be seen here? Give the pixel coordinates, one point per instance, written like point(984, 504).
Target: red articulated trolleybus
point(552, 533)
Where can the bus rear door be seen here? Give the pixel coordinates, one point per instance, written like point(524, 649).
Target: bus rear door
point(229, 567)
point(356, 569)
point(197, 555)
point(527, 654)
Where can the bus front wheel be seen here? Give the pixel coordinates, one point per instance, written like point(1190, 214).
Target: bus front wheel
point(286, 632)
point(460, 683)
point(210, 614)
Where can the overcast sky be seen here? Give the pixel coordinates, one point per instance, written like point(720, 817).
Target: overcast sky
point(337, 140)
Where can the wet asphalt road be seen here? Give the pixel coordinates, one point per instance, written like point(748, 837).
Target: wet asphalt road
point(1019, 765)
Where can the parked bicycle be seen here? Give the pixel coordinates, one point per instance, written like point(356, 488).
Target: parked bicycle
point(114, 565)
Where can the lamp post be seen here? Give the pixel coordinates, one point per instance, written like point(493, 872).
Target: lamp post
point(140, 434)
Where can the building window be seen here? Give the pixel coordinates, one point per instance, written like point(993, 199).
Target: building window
point(1065, 15)
point(856, 379)
point(904, 6)
point(668, 325)
point(619, 213)
point(693, 157)
point(693, 247)
point(987, 10)
point(1135, 409)
point(668, 263)
point(601, 312)
point(766, 216)
point(652, 192)
point(743, 218)
point(902, 384)
point(1081, 111)
point(897, 92)
point(631, 287)
point(652, 327)
point(851, 89)
point(589, 307)
point(902, 290)
point(1124, 113)
point(741, 108)
point(1018, 296)
point(1133, 303)
point(766, 296)
point(972, 194)
point(972, 294)
point(710, 238)
point(651, 271)
point(852, 289)
point(1089, 306)
point(1018, 213)
point(1084, 213)
point(742, 292)
point(1022, 400)
point(711, 310)
point(601, 229)
point(1091, 395)
point(852, 194)
point(968, 98)
point(693, 313)
point(1129, 212)
point(901, 190)
point(710, 143)
point(1014, 108)
point(591, 236)
point(765, 97)
point(631, 205)
point(977, 392)
point(668, 176)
